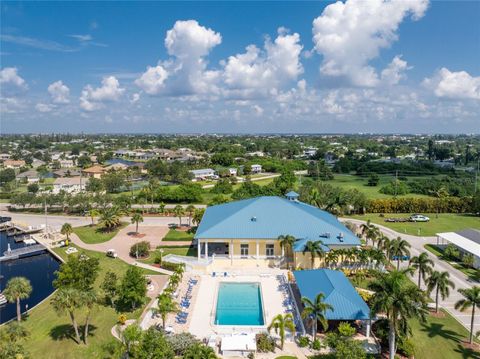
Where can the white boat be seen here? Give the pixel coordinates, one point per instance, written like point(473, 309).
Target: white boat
point(3, 300)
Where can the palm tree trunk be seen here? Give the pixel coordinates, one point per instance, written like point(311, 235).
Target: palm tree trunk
point(19, 312)
point(419, 277)
point(136, 228)
point(75, 327)
point(398, 264)
point(471, 324)
point(391, 342)
point(163, 320)
point(436, 300)
point(87, 324)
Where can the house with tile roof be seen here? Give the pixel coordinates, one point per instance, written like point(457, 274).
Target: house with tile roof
point(249, 230)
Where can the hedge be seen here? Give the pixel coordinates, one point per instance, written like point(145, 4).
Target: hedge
point(427, 205)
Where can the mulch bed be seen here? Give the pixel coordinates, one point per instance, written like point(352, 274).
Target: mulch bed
point(136, 235)
point(473, 346)
point(440, 314)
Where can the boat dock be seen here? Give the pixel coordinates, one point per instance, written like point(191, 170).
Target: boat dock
point(22, 252)
point(15, 229)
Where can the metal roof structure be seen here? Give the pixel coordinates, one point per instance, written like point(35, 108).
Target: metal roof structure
point(268, 217)
point(339, 293)
point(462, 241)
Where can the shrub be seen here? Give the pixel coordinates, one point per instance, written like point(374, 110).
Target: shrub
point(265, 343)
point(373, 180)
point(122, 318)
point(140, 249)
point(316, 345)
point(171, 266)
point(158, 258)
point(303, 341)
point(468, 260)
point(346, 330)
point(181, 342)
point(395, 188)
point(350, 349)
point(451, 252)
point(406, 347)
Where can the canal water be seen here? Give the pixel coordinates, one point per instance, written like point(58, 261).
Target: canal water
point(39, 269)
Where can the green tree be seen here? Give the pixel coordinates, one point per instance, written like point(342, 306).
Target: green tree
point(280, 324)
point(198, 215)
point(373, 180)
point(165, 306)
point(93, 213)
point(153, 344)
point(133, 288)
point(399, 248)
point(315, 249)
point(471, 300)
point(316, 312)
point(67, 230)
point(17, 288)
point(12, 338)
point(89, 300)
point(67, 299)
point(423, 265)
point(109, 286)
point(33, 188)
point(7, 175)
point(179, 212)
point(286, 242)
point(190, 212)
point(441, 283)
point(199, 351)
point(110, 217)
point(131, 337)
point(79, 272)
point(399, 299)
point(136, 218)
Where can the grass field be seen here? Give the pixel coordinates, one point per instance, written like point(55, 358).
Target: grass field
point(446, 222)
point(50, 333)
point(173, 236)
point(95, 234)
point(440, 338)
point(178, 250)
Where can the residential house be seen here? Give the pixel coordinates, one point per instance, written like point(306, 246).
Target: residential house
point(65, 172)
point(256, 168)
point(69, 184)
point(15, 164)
point(66, 163)
point(30, 176)
point(203, 174)
point(94, 171)
point(233, 171)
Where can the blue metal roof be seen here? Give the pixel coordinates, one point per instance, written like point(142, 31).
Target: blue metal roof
point(269, 217)
point(292, 194)
point(339, 293)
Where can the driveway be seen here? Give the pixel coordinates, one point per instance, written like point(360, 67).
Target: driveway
point(457, 277)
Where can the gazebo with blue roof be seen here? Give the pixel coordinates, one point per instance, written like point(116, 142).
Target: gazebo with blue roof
point(347, 304)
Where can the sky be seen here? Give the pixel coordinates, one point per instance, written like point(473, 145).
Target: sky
point(398, 66)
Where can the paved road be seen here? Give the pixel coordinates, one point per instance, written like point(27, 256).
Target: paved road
point(459, 278)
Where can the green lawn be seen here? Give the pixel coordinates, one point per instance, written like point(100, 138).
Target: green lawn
point(181, 251)
point(95, 234)
point(50, 332)
point(440, 338)
point(446, 222)
point(174, 235)
point(472, 273)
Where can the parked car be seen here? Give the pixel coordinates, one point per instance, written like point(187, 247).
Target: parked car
point(419, 218)
point(112, 253)
point(5, 219)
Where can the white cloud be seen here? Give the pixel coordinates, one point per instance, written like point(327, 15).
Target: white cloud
point(93, 98)
point(44, 107)
point(268, 69)
point(59, 92)
point(455, 85)
point(395, 71)
point(186, 72)
point(135, 97)
point(350, 34)
point(10, 82)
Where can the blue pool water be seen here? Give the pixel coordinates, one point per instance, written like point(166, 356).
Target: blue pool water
point(239, 304)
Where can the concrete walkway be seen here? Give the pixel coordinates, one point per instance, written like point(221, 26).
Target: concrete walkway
point(457, 277)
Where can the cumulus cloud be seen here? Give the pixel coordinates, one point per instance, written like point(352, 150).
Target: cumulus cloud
point(268, 69)
point(188, 43)
point(395, 71)
point(454, 85)
point(11, 83)
point(59, 92)
point(92, 99)
point(350, 34)
point(44, 107)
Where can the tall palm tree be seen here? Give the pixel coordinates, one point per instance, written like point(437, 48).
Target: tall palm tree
point(398, 248)
point(93, 213)
point(179, 212)
point(286, 242)
point(315, 249)
point(399, 299)
point(199, 351)
point(89, 300)
point(67, 230)
point(281, 323)
point(373, 233)
point(136, 218)
point(331, 258)
point(440, 281)
point(110, 217)
point(423, 264)
point(17, 288)
point(471, 300)
point(190, 211)
point(314, 197)
point(315, 311)
point(197, 215)
point(68, 300)
point(165, 306)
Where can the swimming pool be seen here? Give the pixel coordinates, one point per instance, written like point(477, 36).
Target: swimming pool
point(239, 304)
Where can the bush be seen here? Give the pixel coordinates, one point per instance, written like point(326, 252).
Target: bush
point(451, 252)
point(346, 330)
point(406, 347)
point(395, 188)
point(265, 343)
point(122, 318)
point(419, 205)
point(316, 345)
point(181, 342)
point(303, 342)
point(373, 180)
point(141, 249)
point(171, 266)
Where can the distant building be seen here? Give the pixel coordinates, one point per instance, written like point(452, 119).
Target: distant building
point(202, 174)
point(467, 242)
point(30, 176)
point(117, 167)
point(94, 171)
point(69, 184)
point(66, 173)
point(37, 163)
point(66, 163)
point(256, 168)
point(15, 164)
point(4, 156)
point(233, 171)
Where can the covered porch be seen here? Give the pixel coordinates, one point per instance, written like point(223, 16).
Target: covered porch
point(234, 249)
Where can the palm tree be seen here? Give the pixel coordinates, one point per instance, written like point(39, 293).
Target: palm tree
point(190, 211)
point(165, 306)
point(93, 213)
point(199, 351)
point(136, 218)
point(68, 300)
point(197, 215)
point(440, 194)
point(161, 208)
point(399, 248)
point(17, 288)
point(315, 249)
point(280, 323)
point(440, 281)
point(399, 299)
point(331, 258)
point(286, 242)
point(314, 197)
point(67, 230)
point(471, 300)
point(179, 212)
point(315, 311)
point(89, 300)
point(423, 264)
point(110, 217)
point(365, 227)
point(373, 233)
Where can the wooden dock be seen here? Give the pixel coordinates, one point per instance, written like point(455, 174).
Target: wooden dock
point(22, 252)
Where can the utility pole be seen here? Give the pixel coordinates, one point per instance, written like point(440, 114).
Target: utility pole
point(396, 182)
point(476, 174)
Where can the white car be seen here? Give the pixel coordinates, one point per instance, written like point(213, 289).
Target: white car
point(419, 218)
point(112, 253)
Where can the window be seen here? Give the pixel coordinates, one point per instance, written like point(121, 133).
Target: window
point(270, 250)
point(244, 250)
